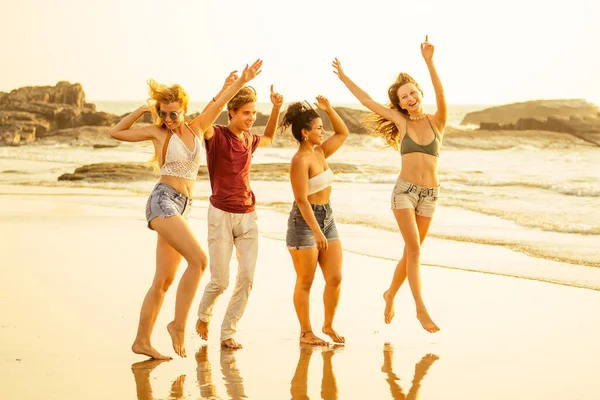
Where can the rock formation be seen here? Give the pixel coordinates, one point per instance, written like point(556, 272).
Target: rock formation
point(31, 112)
point(576, 117)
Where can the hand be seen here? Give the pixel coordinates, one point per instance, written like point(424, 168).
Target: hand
point(321, 241)
point(337, 65)
point(233, 76)
point(251, 72)
point(144, 109)
point(427, 49)
point(323, 103)
point(276, 98)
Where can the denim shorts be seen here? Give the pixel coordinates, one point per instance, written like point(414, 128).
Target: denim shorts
point(422, 199)
point(300, 236)
point(164, 201)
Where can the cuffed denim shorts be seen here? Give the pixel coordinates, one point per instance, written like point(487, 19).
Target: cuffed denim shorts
point(300, 236)
point(164, 201)
point(420, 198)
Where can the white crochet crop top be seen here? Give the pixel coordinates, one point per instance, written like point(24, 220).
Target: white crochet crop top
point(320, 182)
point(179, 161)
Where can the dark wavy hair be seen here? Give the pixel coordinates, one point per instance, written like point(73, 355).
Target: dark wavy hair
point(299, 116)
point(384, 127)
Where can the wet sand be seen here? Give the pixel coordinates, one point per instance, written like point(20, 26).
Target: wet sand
point(77, 263)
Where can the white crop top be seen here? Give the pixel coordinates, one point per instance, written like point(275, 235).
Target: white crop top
point(320, 182)
point(180, 161)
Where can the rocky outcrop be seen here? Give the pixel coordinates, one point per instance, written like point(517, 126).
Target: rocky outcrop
point(576, 117)
point(33, 112)
point(30, 112)
point(125, 172)
point(81, 136)
point(538, 109)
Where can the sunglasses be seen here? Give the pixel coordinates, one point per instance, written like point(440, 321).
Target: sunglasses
point(173, 115)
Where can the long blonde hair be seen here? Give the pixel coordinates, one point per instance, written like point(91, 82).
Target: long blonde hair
point(160, 93)
point(387, 128)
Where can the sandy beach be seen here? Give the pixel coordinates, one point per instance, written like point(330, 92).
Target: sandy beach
point(77, 262)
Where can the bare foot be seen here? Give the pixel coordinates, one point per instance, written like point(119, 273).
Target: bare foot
point(202, 354)
point(177, 388)
point(231, 344)
point(146, 349)
point(422, 366)
point(333, 335)
point(309, 337)
point(427, 322)
point(202, 329)
point(429, 359)
point(141, 373)
point(177, 336)
point(388, 354)
point(146, 365)
point(389, 312)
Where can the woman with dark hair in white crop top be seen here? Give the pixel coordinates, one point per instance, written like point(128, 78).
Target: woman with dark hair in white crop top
point(311, 233)
point(178, 150)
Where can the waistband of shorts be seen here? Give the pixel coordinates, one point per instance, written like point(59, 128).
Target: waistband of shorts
point(167, 188)
point(420, 190)
point(316, 207)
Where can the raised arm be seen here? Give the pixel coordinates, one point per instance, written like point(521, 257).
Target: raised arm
point(299, 170)
point(364, 98)
point(340, 130)
point(122, 130)
point(441, 115)
point(230, 80)
point(267, 137)
point(202, 124)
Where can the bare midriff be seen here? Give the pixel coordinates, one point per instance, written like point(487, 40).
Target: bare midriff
point(182, 185)
point(321, 197)
point(420, 169)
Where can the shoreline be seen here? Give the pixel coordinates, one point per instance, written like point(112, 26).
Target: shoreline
point(483, 256)
point(57, 319)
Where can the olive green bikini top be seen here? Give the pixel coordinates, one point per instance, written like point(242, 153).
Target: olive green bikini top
point(410, 146)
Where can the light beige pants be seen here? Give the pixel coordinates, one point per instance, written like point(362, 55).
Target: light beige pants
point(224, 231)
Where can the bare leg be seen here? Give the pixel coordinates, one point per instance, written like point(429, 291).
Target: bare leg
point(299, 390)
point(331, 265)
point(329, 389)
point(423, 224)
point(167, 263)
point(305, 264)
point(421, 369)
point(179, 235)
point(392, 378)
point(141, 373)
point(409, 230)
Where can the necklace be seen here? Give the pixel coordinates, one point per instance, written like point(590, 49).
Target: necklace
point(422, 116)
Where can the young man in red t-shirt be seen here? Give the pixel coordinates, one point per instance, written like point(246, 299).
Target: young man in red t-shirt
point(231, 214)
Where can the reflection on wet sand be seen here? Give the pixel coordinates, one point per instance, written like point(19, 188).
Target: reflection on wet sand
point(231, 375)
point(421, 369)
point(141, 373)
point(329, 390)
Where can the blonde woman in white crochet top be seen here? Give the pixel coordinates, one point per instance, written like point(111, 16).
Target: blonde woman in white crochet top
point(178, 150)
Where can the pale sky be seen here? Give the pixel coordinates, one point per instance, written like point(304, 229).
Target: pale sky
point(486, 52)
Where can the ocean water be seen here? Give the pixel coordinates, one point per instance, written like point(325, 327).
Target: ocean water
point(538, 196)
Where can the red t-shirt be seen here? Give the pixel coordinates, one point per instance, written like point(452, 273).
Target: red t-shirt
point(228, 158)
